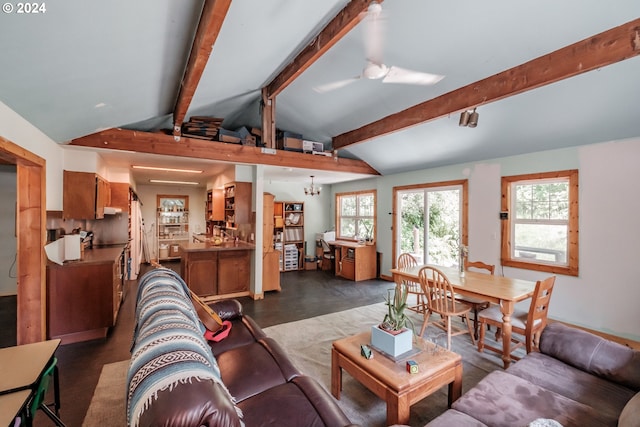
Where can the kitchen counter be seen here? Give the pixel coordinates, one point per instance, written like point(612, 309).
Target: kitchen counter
point(84, 296)
point(98, 255)
point(208, 246)
point(216, 271)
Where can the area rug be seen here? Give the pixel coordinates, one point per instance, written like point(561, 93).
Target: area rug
point(308, 343)
point(107, 407)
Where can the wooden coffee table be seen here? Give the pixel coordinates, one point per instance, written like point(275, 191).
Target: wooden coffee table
point(390, 381)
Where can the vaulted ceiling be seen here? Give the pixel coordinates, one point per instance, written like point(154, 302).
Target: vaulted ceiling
point(555, 74)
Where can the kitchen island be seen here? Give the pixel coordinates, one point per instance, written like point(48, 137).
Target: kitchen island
point(84, 296)
point(216, 271)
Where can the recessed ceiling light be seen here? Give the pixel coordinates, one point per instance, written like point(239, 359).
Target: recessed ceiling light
point(154, 168)
point(163, 181)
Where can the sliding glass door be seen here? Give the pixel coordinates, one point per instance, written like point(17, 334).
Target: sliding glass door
point(429, 222)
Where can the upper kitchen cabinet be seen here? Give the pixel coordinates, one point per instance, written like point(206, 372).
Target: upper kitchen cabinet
point(237, 204)
point(84, 195)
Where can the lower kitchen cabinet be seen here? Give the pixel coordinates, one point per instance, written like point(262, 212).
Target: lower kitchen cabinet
point(83, 297)
point(215, 272)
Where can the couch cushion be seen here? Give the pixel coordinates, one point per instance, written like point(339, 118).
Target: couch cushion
point(451, 418)
point(254, 368)
point(592, 354)
point(552, 374)
point(244, 331)
point(630, 416)
point(301, 402)
point(502, 399)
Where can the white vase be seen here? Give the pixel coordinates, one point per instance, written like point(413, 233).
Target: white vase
point(392, 344)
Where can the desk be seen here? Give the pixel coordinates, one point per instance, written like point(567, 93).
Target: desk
point(353, 260)
point(496, 289)
point(21, 366)
point(12, 405)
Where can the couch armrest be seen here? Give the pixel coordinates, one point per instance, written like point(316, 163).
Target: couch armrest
point(195, 403)
point(227, 309)
point(592, 354)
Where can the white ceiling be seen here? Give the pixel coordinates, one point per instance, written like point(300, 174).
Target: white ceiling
point(87, 65)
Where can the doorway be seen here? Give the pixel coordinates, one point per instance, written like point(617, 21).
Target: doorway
point(430, 221)
point(30, 267)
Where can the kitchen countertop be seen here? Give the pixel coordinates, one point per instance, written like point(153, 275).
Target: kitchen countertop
point(95, 256)
point(210, 247)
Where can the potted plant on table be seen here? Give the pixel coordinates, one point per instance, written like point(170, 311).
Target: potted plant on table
point(394, 335)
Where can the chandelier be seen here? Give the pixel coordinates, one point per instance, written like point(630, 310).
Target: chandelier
point(312, 190)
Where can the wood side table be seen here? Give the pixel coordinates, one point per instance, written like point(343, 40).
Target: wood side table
point(390, 380)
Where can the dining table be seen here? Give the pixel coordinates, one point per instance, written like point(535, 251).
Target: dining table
point(501, 290)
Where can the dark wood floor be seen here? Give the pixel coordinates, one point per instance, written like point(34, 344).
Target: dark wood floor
point(304, 294)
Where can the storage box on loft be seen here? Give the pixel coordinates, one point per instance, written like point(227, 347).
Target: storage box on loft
point(289, 141)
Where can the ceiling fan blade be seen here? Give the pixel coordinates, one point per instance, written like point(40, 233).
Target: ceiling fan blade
point(374, 34)
point(335, 85)
point(402, 75)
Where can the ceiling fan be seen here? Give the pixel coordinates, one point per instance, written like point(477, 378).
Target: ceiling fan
point(375, 69)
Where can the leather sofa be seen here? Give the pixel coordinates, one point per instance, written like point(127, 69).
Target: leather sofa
point(265, 386)
point(577, 379)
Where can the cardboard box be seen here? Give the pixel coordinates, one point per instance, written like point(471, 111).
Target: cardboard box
point(310, 263)
point(289, 141)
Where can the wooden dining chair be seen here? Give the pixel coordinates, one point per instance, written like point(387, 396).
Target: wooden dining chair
point(406, 260)
point(526, 323)
point(476, 304)
point(437, 291)
point(328, 257)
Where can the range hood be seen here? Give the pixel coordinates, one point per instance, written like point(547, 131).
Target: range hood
point(112, 211)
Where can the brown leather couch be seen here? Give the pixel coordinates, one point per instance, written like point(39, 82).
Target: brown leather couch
point(267, 388)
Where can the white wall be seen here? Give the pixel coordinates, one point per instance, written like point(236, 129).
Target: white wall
point(147, 195)
point(17, 130)
point(8, 187)
point(605, 295)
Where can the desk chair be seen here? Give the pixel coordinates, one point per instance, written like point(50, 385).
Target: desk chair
point(527, 323)
point(406, 260)
point(328, 255)
point(437, 291)
point(476, 304)
point(37, 402)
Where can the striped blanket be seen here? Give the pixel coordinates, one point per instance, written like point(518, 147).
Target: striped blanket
point(168, 344)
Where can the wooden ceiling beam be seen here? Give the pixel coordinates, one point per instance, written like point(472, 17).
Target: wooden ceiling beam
point(337, 28)
point(211, 19)
point(608, 47)
point(163, 144)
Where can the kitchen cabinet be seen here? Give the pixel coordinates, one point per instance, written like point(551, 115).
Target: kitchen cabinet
point(216, 271)
point(234, 271)
point(84, 195)
point(84, 296)
point(214, 206)
point(119, 195)
point(237, 204)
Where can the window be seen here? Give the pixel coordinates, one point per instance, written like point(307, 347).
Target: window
point(540, 222)
point(430, 221)
point(356, 215)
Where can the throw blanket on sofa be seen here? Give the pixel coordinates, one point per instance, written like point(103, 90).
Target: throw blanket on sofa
point(168, 344)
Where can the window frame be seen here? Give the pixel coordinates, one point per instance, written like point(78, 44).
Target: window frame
point(338, 215)
point(572, 262)
point(464, 226)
